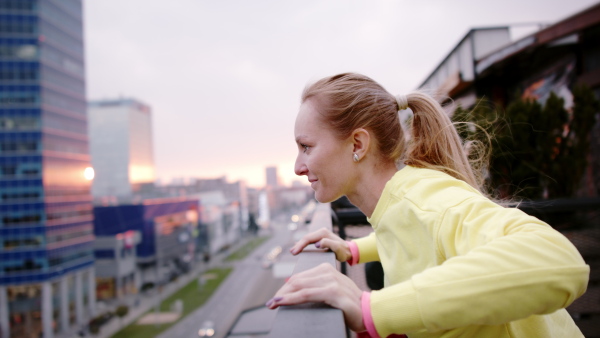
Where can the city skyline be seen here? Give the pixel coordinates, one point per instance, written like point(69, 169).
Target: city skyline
point(224, 79)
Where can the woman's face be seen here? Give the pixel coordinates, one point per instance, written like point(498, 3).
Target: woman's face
point(324, 159)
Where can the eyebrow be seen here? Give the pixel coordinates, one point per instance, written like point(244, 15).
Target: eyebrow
point(299, 138)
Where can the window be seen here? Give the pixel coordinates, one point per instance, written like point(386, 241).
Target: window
point(27, 195)
point(19, 123)
point(21, 219)
point(22, 5)
point(8, 170)
point(28, 265)
point(21, 243)
point(21, 147)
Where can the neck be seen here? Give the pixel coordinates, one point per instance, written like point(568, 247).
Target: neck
point(370, 186)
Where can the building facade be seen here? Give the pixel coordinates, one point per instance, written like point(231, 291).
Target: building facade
point(272, 178)
point(220, 222)
point(120, 134)
point(165, 248)
point(487, 63)
point(46, 225)
point(116, 259)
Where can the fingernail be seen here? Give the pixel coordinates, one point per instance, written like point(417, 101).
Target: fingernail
point(272, 301)
point(318, 245)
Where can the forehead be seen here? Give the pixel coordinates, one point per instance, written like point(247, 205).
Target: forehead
point(308, 120)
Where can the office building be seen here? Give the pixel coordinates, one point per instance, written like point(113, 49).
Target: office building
point(164, 233)
point(46, 226)
point(120, 134)
point(272, 178)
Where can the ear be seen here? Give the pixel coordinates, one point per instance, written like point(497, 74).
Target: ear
point(361, 140)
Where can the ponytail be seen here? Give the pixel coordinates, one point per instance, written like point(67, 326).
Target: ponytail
point(435, 143)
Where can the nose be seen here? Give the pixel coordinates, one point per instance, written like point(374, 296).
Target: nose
point(300, 168)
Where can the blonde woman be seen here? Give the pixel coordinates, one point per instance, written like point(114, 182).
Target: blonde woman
point(456, 264)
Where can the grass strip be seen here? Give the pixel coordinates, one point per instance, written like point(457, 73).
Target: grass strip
point(192, 297)
point(245, 250)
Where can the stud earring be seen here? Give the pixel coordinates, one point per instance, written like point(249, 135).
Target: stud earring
point(355, 157)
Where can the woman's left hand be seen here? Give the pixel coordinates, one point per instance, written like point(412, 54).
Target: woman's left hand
point(323, 284)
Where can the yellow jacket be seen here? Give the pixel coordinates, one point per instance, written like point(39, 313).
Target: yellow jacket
point(459, 265)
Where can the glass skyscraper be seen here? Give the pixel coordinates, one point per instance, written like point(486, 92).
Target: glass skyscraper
point(46, 216)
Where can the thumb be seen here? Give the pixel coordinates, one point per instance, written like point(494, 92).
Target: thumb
point(339, 247)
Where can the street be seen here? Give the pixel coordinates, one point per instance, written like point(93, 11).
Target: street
point(248, 285)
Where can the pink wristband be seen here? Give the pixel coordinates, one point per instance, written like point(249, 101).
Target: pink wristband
point(354, 252)
point(365, 303)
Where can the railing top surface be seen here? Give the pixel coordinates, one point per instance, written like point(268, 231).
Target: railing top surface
point(312, 319)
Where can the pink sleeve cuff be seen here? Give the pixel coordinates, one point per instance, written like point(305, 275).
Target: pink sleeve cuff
point(354, 251)
point(365, 303)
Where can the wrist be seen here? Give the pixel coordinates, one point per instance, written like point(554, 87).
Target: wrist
point(354, 253)
point(365, 301)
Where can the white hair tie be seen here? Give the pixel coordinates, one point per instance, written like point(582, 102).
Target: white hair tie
point(402, 102)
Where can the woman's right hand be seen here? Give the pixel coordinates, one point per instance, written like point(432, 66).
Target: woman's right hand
point(324, 239)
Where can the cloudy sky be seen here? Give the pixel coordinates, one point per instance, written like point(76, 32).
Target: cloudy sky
point(223, 77)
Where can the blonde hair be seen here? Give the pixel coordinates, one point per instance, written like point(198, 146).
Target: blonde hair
point(349, 101)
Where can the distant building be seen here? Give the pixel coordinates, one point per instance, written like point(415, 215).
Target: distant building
point(219, 219)
point(272, 178)
point(168, 229)
point(46, 232)
point(233, 202)
point(121, 147)
point(116, 265)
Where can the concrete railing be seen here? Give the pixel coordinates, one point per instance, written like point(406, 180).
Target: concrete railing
point(312, 319)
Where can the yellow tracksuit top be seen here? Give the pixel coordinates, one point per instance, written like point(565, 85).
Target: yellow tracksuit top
point(459, 265)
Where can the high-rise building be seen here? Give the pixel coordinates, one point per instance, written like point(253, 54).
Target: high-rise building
point(46, 221)
point(272, 178)
point(121, 148)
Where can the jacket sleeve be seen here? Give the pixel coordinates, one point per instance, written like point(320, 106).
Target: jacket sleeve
point(500, 265)
point(367, 248)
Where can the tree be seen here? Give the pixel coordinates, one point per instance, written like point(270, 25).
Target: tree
point(537, 152)
point(121, 311)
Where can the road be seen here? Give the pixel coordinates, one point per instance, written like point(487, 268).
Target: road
point(248, 285)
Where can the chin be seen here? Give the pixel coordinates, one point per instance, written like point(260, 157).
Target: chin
point(325, 198)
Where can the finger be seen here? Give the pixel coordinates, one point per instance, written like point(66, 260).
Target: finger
point(323, 284)
point(338, 246)
point(309, 239)
point(292, 293)
point(310, 286)
point(307, 278)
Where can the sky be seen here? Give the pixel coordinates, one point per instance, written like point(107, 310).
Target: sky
point(224, 78)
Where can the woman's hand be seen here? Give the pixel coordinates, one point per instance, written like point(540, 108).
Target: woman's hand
point(324, 239)
point(323, 284)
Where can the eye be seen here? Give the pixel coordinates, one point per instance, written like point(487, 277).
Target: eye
point(304, 146)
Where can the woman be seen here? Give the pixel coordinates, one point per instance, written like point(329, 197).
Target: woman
point(456, 264)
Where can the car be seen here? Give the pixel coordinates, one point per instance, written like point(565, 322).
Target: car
point(269, 259)
point(207, 329)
